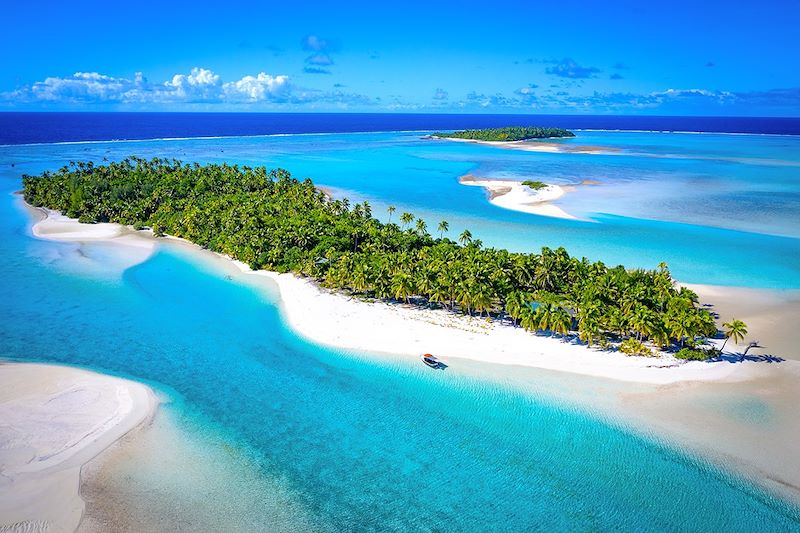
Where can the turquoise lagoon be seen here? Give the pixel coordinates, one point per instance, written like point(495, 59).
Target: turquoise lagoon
point(718, 208)
point(369, 443)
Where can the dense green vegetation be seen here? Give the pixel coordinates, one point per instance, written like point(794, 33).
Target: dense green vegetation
point(270, 220)
point(507, 134)
point(535, 185)
point(697, 354)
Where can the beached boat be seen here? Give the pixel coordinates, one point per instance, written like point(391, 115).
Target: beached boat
point(431, 361)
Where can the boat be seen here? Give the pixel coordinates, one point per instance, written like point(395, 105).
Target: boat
point(431, 361)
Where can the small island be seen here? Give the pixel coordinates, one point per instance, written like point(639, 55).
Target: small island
point(269, 220)
point(514, 133)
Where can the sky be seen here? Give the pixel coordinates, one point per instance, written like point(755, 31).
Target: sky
point(735, 58)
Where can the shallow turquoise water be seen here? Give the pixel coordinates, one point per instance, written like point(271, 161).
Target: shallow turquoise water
point(360, 445)
point(720, 209)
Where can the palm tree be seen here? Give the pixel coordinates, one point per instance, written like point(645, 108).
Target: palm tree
point(736, 330)
point(402, 286)
point(421, 226)
point(443, 226)
point(560, 321)
point(527, 318)
point(406, 218)
point(641, 321)
point(516, 302)
point(391, 209)
point(465, 237)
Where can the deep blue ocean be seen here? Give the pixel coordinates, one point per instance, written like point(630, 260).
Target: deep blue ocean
point(23, 128)
point(355, 442)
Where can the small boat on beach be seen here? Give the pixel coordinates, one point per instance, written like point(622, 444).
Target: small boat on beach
point(432, 361)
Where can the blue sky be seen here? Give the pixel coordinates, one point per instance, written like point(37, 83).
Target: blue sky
point(633, 57)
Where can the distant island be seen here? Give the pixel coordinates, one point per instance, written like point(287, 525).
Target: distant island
point(269, 220)
point(506, 134)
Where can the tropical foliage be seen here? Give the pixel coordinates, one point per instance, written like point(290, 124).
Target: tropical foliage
point(634, 347)
point(697, 354)
point(736, 330)
point(270, 220)
point(506, 134)
point(535, 185)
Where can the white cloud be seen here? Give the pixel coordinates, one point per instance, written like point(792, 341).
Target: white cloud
point(258, 88)
point(199, 86)
point(81, 86)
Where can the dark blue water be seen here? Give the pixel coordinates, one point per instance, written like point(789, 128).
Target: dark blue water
point(24, 128)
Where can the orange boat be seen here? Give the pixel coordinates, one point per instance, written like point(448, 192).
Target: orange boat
point(431, 361)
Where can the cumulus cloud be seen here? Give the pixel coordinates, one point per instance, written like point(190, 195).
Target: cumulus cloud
point(258, 88)
point(80, 87)
point(569, 68)
point(200, 85)
point(440, 94)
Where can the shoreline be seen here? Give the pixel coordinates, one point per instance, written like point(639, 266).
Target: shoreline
point(55, 420)
point(540, 145)
point(336, 320)
point(694, 404)
point(514, 195)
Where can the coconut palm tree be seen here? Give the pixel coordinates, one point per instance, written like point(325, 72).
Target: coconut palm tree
point(421, 226)
point(406, 218)
point(527, 318)
point(443, 226)
point(391, 209)
point(561, 321)
point(465, 237)
point(516, 302)
point(641, 321)
point(736, 330)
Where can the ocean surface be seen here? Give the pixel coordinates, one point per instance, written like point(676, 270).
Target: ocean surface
point(718, 208)
point(362, 443)
point(22, 128)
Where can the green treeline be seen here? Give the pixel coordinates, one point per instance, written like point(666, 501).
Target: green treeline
point(507, 134)
point(270, 220)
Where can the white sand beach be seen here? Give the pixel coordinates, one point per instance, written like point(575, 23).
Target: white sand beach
point(547, 146)
point(697, 405)
point(340, 321)
point(514, 195)
point(53, 420)
point(53, 226)
point(337, 320)
point(767, 313)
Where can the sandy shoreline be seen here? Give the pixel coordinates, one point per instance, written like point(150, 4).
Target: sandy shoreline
point(514, 195)
point(544, 145)
point(695, 404)
point(338, 320)
point(53, 420)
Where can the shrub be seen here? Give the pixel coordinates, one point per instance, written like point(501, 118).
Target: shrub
point(535, 185)
point(696, 354)
point(634, 347)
